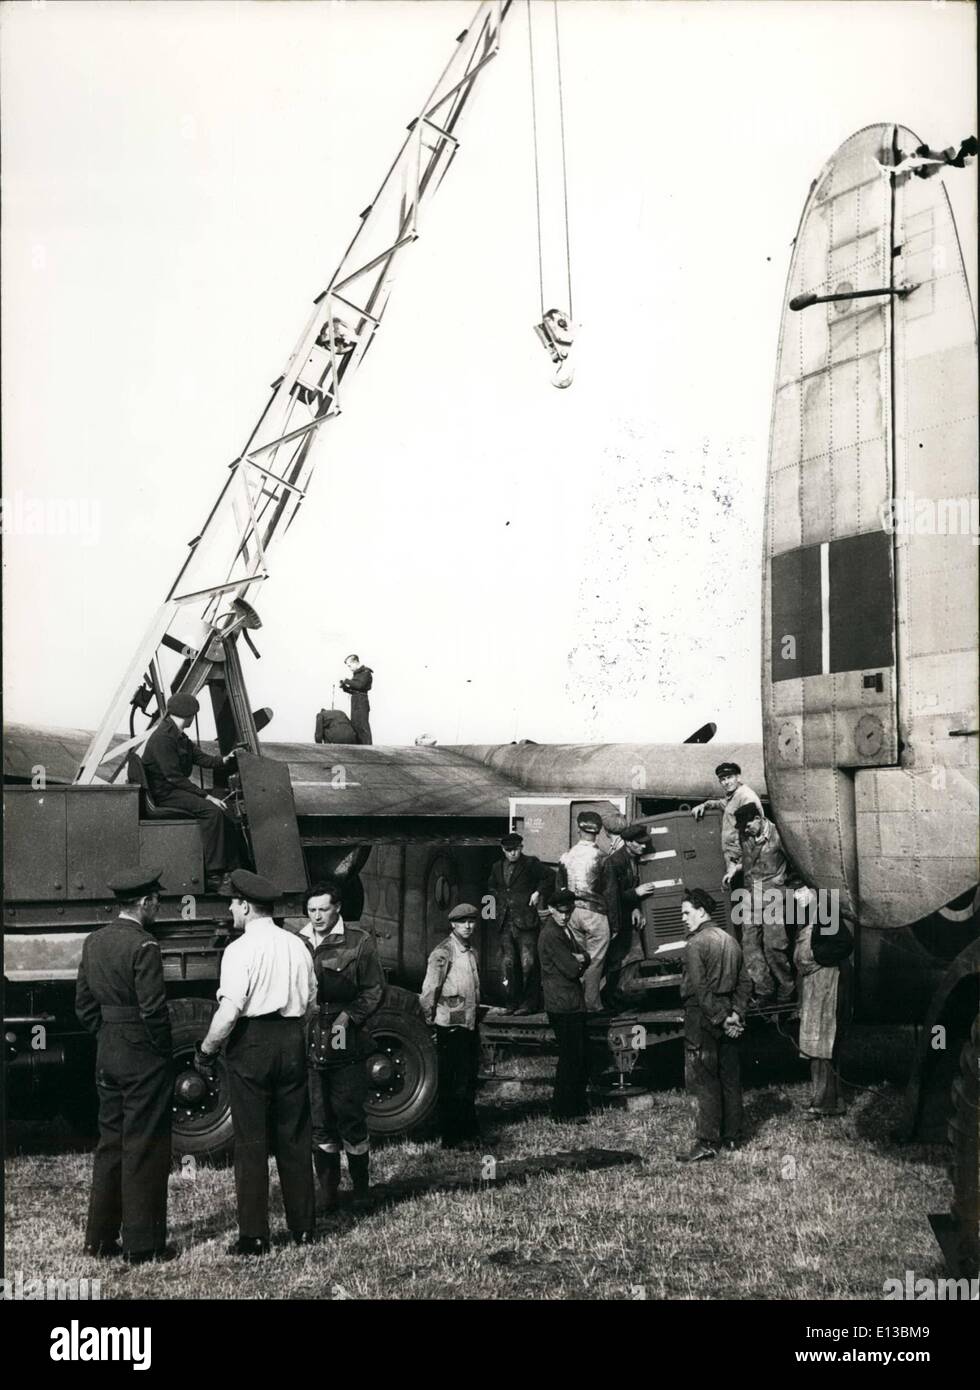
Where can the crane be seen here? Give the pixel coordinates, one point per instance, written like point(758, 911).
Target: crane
point(208, 606)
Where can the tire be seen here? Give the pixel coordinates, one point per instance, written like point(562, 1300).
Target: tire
point(963, 1139)
point(402, 1071)
point(202, 1130)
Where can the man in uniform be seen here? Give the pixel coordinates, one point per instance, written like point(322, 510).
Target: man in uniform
point(120, 997)
point(168, 758)
point(736, 795)
point(767, 874)
point(624, 895)
point(582, 869)
point(516, 884)
point(350, 986)
point(715, 989)
point(451, 999)
point(357, 685)
point(562, 966)
point(266, 993)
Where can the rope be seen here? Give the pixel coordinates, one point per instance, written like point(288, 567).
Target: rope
point(537, 177)
point(564, 174)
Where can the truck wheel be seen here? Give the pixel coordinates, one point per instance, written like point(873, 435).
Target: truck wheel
point(963, 1138)
point(202, 1120)
point(402, 1070)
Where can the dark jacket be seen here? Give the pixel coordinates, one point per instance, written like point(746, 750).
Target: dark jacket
point(168, 758)
point(622, 877)
point(357, 686)
point(512, 899)
point(560, 971)
point(349, 980)
point(764, 861)
point(333, 726)
point(715, 982)
point(122, 968)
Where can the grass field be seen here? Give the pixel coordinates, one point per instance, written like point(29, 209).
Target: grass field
point(804, 1210)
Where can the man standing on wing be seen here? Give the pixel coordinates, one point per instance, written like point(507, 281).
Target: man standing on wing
point(357, 685)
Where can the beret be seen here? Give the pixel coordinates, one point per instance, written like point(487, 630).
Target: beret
point(464, 912)
point(183, 706)
point(135, 882)
point(253, 887)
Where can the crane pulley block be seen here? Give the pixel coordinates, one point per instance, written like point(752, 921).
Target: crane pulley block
point(555, 333)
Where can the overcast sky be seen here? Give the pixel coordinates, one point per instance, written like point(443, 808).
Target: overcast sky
point(513, 561)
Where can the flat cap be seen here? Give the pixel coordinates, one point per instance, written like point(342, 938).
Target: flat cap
point(464, 912)
point(634, 833)
point(253, 887)
point(563, 898)
point(183, 706)
point(136, 882)
point(512, 841)
point(746, 813)
point(588, 820)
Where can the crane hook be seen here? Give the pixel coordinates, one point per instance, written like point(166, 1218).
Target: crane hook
point(555, 333)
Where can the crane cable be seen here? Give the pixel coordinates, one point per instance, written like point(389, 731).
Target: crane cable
point(537, 172)
point(564, 172)
point(537, 176)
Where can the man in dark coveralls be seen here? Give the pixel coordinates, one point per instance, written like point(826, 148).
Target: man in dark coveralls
point(562, 965)
point(168, 758)
point(266, 994)
point(516, 884)
point(716, 989)
point(357, 685)
point(350, 986)
point(120, 998)
point(624, 896)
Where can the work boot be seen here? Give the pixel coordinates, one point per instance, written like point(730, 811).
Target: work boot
point(249, 1245)
point(358, 1166)
point(327, 1169)
point(160, 1254)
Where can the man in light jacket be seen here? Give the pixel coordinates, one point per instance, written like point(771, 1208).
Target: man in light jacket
point(450, 1001)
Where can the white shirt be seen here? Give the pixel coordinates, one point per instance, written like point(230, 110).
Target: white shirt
point(268, 970)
